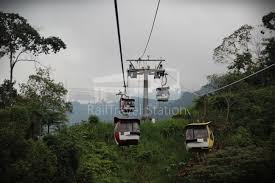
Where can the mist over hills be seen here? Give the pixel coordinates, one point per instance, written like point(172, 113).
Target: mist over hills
point(106, 111)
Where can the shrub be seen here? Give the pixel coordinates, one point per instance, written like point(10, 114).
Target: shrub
point(93, 119)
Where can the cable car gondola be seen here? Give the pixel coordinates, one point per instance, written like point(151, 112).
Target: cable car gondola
point(127, 131)
point(132, 73)
point(199, 137)
point(162, 94)
point(127, 104)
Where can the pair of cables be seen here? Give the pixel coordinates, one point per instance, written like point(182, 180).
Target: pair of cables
point(119, 39)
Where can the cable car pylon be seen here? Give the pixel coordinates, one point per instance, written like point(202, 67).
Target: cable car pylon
point(158, 72)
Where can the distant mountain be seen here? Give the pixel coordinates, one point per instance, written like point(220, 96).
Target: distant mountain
point(107, 111)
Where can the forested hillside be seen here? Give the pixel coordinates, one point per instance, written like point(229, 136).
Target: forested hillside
point(242, 113)
point(37, 145)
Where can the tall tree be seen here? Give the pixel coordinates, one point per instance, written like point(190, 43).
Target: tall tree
point(46, 98)
point(269, 51)
point(234, 44)
point(18, 37)
point(247, 42)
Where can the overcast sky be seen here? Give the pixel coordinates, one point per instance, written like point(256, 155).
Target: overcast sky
point(185, 34)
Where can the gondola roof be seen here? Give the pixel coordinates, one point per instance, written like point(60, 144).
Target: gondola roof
point(198, 124)
point(126, 120)
point(128, 99)
point(163, 88)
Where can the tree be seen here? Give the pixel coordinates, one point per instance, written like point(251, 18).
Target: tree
point(223, 102)
point(247, 41)
point(45, 97)
point(216, 81)
point(18, 37)
point(242, 63)
point(269, 59)
point(7, 94)
point(269, 51)
point(236, 43)
point(269, 20)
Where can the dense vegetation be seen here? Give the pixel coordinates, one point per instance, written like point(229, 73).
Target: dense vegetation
point(242, 114)
point(38, 146)
point(161, 147)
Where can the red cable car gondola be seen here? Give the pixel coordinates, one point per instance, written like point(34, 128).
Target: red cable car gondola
point(127, 131)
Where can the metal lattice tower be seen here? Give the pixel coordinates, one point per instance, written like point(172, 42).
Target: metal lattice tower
point(145, 70)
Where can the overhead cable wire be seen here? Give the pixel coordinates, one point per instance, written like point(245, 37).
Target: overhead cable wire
point(151, 30)
point(235, 82)
point(120, 48)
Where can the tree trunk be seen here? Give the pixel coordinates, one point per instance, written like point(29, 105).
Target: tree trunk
point(11, 79)
point(48, 128)
point(11, 74)
point(228, 109)
point(11, 68)
point(205, 108)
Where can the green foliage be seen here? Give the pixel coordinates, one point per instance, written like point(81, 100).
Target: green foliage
point(269, 59)
point(249, 164)
point(271, 144)
point(23, 160)
point(42, 96)
point(15, 119)
point(67, 155)
point(241, 137)
point(41, 101)
point(85, 175)
point(7, 94)
point(47, 94)
point(93, 119)
point(161, 144)
point(41, 163)
point(242, 63)
point(216, 81)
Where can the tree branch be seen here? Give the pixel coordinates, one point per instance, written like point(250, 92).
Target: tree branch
point(31, 60)
point(27, 60)
point(22, 51)
point(16, 60)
